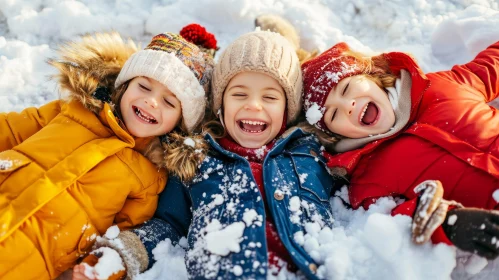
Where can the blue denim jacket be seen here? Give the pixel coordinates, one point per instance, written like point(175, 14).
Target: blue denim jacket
point(224, 198)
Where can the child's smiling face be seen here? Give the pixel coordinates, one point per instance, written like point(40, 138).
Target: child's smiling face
point(356, 108)
point(253, 109)
point(149, 108)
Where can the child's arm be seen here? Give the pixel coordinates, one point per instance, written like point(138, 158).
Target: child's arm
point(17, 127)
point(139, 207)
point(481, 73)
point(470, 229)
point(172, 220)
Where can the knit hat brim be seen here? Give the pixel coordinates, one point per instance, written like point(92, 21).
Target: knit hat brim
point(262, 52)
point(167, 69)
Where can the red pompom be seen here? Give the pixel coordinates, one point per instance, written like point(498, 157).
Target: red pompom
point(198, 35)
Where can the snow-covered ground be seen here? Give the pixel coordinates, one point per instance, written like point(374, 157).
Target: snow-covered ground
point(364, 244)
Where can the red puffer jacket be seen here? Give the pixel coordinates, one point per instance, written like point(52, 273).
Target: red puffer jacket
point(452, 136)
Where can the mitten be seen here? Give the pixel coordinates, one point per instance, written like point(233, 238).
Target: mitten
point(431, 210)
point(474, 230)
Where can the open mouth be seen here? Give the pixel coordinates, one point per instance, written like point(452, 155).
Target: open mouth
point(370, 114)
point(252, 126)
point(143, 116)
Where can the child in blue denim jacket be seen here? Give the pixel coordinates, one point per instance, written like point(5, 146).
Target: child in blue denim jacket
point(259, 188)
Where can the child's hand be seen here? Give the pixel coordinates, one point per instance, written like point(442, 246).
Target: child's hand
point(79, 273)
point(474, 230)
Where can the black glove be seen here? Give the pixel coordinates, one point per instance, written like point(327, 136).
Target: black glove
point(474, 230)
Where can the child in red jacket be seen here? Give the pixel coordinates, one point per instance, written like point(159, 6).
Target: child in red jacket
point(391, 127)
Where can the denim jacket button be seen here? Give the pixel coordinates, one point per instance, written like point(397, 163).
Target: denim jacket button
point(313, 153)
point(313, 267)
point(278, 195)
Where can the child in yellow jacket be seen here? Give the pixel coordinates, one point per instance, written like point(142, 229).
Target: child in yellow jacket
point(72, 168)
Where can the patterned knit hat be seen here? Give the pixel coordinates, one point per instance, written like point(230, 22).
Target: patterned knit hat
point(179, 65)
point(320, 75)
point(263, 52)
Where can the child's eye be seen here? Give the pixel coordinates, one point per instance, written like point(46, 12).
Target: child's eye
point(169, 103)
point(270, 97)
point(239, 94)
point(334, 115)
point(144, 87)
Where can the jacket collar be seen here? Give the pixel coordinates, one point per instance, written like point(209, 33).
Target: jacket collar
point(290, 134)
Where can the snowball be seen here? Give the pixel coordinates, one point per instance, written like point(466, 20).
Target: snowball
point(112, 232)
point(314, 114)
point(189, 142)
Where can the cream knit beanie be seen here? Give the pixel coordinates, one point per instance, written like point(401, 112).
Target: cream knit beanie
point(263, 52)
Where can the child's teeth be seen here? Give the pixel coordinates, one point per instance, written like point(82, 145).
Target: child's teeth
point(139, 114)
point(253, 122)
point(364, 112)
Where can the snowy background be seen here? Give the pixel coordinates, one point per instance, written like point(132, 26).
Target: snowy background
point(364, 244)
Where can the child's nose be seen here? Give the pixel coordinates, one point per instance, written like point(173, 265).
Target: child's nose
point(152, 102)
point(351, 106)
point(253, 105)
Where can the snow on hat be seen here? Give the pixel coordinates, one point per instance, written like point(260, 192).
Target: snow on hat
point(320, 75)
point(180, 66)
point(263, 52)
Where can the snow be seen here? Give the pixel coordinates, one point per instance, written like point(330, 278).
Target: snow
point(169, 263)
point(379, 226)
point(5, 164)
point(495, 195)
point(294, 204)
point(250, 216)
point(112, 232)
point(189, 142)
point(475, 264)
point(238, 270)
point(452, 220)
point(438, 34)
point(223, 241)
point(314, 114)
point(109, 263)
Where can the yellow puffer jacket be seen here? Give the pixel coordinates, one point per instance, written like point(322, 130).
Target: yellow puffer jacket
point(67, 174)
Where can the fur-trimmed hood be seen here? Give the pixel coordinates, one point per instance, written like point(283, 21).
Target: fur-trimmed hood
point(96, 61)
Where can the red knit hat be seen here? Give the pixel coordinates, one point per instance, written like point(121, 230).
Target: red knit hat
point(320, 75)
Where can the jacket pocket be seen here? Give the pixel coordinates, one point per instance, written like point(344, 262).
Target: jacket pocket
point(11, 161)
point(83, 247)
point(313, 179)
